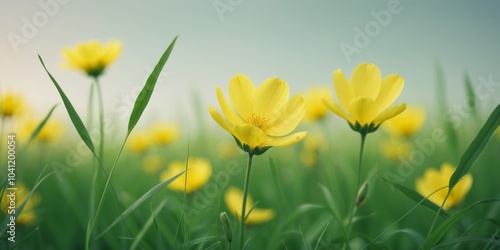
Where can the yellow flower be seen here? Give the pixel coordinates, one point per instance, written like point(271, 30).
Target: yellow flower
point(27, 216)
point(92, 57)
point(313, 145)
point(163, 134)
point(433, 180)
point(315, 110)
point(152, 163)
point(138, 142)
point(50, 132)
point(264, 116)
point(11, 104)
point(407, 123)
point(365, 101)
point(234, 200)
point(394, 148)
point(198, 174)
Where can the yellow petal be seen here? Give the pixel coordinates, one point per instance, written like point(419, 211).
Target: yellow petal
point(342, 88)
point(234, 199)
point(249, 135)
point(331, 105)
point(270, 96)
point(219, 119)
point(391, 87)
point(389, 113)
point(285, 140)
point(365, 81)
point(112, 51)
point(363, 110)
point(227, 110)
point(287, 118)
point(258, 216)
point(241, 94)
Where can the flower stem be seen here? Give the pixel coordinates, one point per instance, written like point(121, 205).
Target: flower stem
point(354, 207)
point(438, 212)
point(245, 194)
point(101, 119)
point(90, 107)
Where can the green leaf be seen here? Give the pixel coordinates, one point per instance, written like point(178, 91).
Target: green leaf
point(40, 125)
point(73, 115)
point(476, 147)
point(139, 201)
point(441, 231)
point(147, 90)
point(412, 194)
point(471, 96)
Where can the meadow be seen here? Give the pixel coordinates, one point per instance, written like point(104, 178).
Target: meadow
point(419, 178)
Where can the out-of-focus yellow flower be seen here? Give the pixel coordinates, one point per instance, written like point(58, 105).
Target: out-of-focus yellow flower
point(407, 123)
point(234, 200)
point(433, 180)
point(152, 163)
point(198, 174)
point(365, 100)
point(264, 116)
point(315, 110)
point(92, 57)
point(394, 147)
point(27, 216)
point(138, 142)
point(313, 145)
point(50, 132)
point(11, 104)
point(163, 133)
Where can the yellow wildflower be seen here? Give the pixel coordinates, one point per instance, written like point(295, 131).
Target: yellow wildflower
point(365, 101)
point(11, 104)
point(315, 110)
point(264, 116)
point(407, 123)
point(433, 180)
point(234, 199)
point(163, 134)
point(27, 216)
point(138, 142)
point(198, 174)
point(92, 57)
point(50, 132)
point(313, 145)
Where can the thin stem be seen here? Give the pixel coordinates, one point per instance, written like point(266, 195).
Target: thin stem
point(90, 107)
point(354, 207)
point(245, 194)
point(101, 119)
point(438, 212)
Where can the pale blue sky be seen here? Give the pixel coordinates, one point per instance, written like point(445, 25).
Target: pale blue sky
point(298, 41)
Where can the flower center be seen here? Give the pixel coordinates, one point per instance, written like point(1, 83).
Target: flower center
point(258, 121)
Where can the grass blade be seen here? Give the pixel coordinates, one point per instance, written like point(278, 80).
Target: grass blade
point(476, 147)
point(147, 91)
point(147, 225)
point(412, 194)
point(442, 102)
point(471, 96)
point(40, 125)
point(73, 115)
point(441, 231)
point(278, 186)
point(139, 201)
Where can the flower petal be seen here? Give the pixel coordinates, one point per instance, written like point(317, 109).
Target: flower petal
point(219, 119)
point(270, 96)
point(111, 52)
point(258, 216)
point(391, 87)
point(331, 105)
point(287, 118)
point(227, 110)
point(342, 88)
point(241, 94)
point(234, 199)
point(249, 135)
point(363, 110)
point(365, 81)
point(389, 113)
point(285, 140)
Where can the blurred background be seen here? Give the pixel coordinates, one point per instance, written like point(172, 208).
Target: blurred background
point(302, 42)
